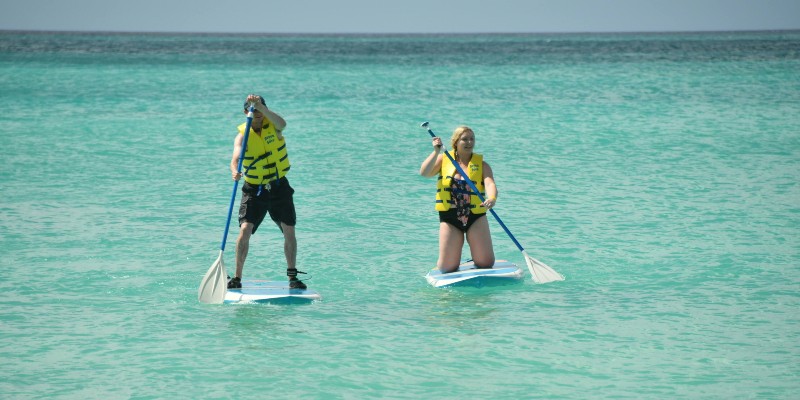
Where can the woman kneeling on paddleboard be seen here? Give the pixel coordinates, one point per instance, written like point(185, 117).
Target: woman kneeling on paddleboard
point(461, 212)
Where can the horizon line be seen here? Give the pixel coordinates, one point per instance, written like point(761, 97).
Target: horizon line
point(243, 33)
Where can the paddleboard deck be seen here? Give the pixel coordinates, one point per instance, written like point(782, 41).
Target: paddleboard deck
point(502, 272)
point(274, 292)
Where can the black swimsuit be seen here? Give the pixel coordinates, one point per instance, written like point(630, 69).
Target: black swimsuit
point(461, 215)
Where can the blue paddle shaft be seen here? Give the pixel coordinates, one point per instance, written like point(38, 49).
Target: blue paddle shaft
point(236, 183)
point(475, 189)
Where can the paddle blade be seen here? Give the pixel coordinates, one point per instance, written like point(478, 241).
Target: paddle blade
point(214, 284)
point(541, 272)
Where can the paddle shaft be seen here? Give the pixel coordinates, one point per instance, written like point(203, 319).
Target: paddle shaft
point(477, 192)
point(236, 183)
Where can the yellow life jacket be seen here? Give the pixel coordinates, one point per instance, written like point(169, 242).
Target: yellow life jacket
point(265, 158)
point(474, 173)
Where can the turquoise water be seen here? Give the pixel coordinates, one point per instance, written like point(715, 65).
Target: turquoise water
point(658, 173)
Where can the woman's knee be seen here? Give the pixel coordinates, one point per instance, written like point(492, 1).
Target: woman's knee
point(484, 261)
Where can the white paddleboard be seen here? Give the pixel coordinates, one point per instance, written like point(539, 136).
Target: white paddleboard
point(502, 272)
point(264, 291)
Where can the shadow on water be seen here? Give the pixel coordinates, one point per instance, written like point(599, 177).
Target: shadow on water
point(278, 318)
point(469, 308)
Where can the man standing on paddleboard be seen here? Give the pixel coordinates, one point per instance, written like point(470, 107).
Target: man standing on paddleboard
point(265, 189)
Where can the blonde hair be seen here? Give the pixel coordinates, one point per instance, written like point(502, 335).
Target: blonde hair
point(457, 134)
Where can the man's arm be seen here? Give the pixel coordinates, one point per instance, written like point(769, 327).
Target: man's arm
point(276, 119)
point(237, 151)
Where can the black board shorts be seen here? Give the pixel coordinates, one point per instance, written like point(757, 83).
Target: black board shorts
point(278, 202)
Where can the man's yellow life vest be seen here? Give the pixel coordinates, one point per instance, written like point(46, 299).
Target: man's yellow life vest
point(265, 158)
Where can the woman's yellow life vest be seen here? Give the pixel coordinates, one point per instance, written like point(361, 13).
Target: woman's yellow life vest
point(265, 158)
point(474, 173)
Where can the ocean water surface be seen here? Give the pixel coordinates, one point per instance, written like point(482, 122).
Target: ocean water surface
point(658, 172)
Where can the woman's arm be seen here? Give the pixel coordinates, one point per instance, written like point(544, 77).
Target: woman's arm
point(489, 185)
point(431, 166)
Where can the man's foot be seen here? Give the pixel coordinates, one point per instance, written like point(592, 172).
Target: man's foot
point(235, 283)
point(295, 283)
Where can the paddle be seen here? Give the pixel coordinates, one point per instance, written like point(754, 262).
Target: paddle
point(215, 284)
point(540, 272)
